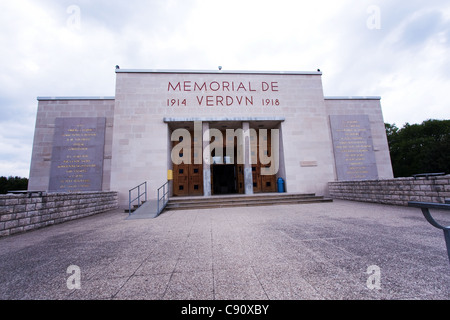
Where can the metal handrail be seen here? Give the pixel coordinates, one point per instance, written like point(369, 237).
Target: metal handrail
point(164, 197)
point(130, 201)
point(427, 175)
point(425, 207)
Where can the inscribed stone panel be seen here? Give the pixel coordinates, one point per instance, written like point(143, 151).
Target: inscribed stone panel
point(77, 154)
point(353, 147)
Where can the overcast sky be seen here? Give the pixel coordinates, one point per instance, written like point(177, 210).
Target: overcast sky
point(398, 50)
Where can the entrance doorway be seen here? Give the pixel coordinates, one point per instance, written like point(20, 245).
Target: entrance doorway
point(223, 179)
point(187, 178)
point(226, 172)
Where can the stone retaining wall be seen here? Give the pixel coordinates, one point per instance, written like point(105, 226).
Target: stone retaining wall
point(393, 191)
point(20, 213)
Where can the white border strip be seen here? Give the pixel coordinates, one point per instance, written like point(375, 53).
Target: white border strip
point(218, 71)
point(353, 98)
point(76, 98)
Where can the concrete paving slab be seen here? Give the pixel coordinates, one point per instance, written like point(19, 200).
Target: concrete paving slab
point(149, 287)
point(240, 283)
point(288, 252)
point(98, 289)
point(198, 285)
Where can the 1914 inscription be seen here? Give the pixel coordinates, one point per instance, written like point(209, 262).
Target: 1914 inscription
point(77, 155)
point(223, 93)
point(353, 147)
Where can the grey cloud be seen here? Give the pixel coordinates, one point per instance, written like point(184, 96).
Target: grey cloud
point(421, 28)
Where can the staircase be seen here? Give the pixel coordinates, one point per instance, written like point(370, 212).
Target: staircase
point(240, 200)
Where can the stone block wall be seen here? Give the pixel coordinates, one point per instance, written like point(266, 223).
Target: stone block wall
point(397, 191)
point(20, 213)
point(370, 106)
point(49, 109)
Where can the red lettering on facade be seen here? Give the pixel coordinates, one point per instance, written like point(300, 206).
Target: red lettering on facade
point(241, 86)
point(174, 88)
point(200, 88)
point(219, 87)
point(216, 86)
point(273, 86)
point(189, 86)
point(209, 101)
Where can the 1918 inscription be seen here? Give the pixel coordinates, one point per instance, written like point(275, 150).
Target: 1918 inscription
point(223, 93)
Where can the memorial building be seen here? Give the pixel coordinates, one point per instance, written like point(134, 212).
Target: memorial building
point(210, 133)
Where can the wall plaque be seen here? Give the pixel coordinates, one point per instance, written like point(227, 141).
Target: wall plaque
point(77, 155)
point(353, 147)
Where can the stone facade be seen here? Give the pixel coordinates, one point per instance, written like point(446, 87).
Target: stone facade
point(20, 213)
point(393, 191)
point(370, 106)
point(70, 107)
point(141, 105)
point(149, 105)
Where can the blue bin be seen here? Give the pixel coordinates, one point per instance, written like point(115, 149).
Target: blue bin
point(280, 185)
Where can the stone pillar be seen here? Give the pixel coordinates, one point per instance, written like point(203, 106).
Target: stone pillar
point(247, 152)
point(206, 164)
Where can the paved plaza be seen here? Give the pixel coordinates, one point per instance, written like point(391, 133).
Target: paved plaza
point(284, 252)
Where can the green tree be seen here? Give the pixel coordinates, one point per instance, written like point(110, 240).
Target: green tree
point(419, 148)
point(12, 183)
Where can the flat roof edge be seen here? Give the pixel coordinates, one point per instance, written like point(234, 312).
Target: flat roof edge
point(218, 71)
point(76, 98)
point(212, 119)
point(353, 98)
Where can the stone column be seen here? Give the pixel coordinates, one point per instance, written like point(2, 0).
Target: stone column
point(247, 152)
point(206, 164)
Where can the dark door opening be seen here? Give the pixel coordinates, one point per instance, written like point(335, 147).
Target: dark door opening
point(224, 179)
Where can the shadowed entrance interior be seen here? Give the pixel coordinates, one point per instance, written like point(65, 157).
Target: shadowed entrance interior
point(224, 179)
point(225, 174)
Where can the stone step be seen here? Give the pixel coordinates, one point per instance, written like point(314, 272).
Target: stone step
point(232, 197)
point(186, 203)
